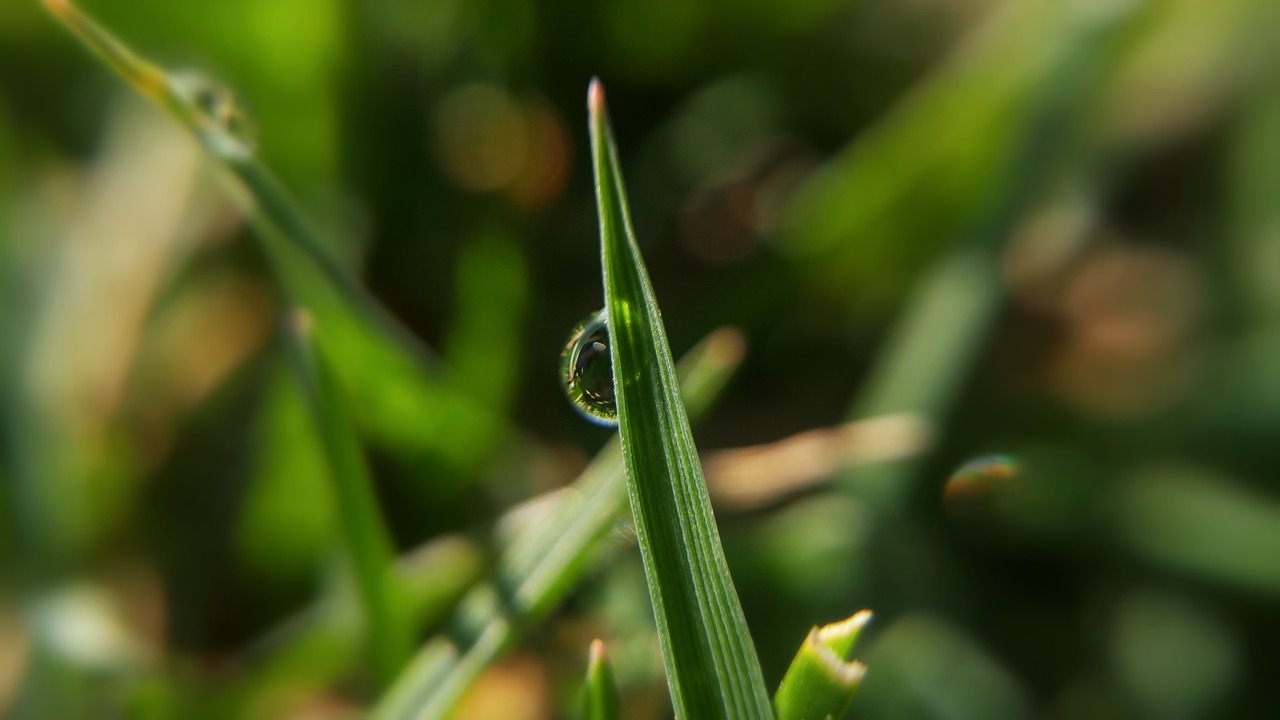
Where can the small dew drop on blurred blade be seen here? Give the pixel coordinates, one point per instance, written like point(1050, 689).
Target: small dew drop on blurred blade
point(981, 476)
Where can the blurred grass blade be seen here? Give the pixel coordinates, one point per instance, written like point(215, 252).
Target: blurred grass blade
point(602, 691)
point(913, 187)
point(543, 562)
point(147, 78)
point(927, 667)
point(931, 349)
point(365, 537)
point(323, 643)
point(924, 367)
point(1201, 524)
point(208, 112)
point(406, 402)
point(711, 663)
point(822, 679)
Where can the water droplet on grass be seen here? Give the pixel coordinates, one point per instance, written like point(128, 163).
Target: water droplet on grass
point(587, 373)
point(217, 118)
point(980, 476)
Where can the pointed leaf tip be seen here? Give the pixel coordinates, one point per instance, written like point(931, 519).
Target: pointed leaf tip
point(595, 96)
point(822, 679)
point(841, 636)
point(598, 653)
point(602, 691)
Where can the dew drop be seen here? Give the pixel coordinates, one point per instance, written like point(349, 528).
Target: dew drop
point(587, 373)
point(218, 119)
point(981, 476)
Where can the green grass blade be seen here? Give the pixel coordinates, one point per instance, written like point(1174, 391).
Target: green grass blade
point(914, 189)
point(544, 562)
point(323, 643)
point(924, 367)
point(365, 538)
point(407, 403)
point(823, 678)
point(207, 111)
point(711, 663)
point(602, 692)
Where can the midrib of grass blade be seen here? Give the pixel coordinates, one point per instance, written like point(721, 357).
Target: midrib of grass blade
point(542, 563)
point(365, 537)
point(711, 663)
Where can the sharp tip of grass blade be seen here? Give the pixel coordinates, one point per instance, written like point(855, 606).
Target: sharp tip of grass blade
point(841, 637)
point(602, 693)
point(844, 628)
point(598, 653)
point(595, 96)
point(823, 679)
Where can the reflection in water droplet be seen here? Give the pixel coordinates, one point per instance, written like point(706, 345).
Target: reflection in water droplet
point(587, 373)
point(218, 120)
point(980, 475)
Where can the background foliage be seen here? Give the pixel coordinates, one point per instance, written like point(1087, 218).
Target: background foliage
point(1044, 234)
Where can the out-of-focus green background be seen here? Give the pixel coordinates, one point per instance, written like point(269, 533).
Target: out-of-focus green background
point(1045, 234)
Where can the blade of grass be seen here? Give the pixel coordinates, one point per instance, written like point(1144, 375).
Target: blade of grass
point(602, 693)
point(935, 346)
point(406, 401)
point(924, 367)
point(711, 663)
point(206, 111)
point(822, 679)
point(543, 562)
point(917, 190)
point(365, 538)
point(323, 643)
